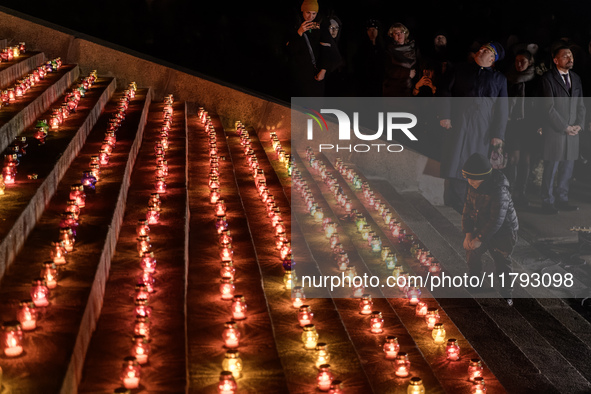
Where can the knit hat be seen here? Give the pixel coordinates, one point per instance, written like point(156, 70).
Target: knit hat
point(477, 167)
point(497, 50)
point(310, 5)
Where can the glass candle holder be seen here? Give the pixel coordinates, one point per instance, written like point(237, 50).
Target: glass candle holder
point(413, 295)
point(214, 196)
point(438, 334)
point(152, 216)
point(220, 207)
point(415, 386)
point(77, 193)
point(143, 244)
point(142, 308)
point(421, 309)
point(160, 185)
point(227, 253)
point(142, 228)
point(478, 386)
point(336, 387)
point(39, 292)
point(141, 292)
point(130, 373)
point(142, 326)
point(88, 181)
point(452, 350)
point(432, 317)
point(305, 315)
point(27, 315)
point(146, 279)
point(49, 273)
point(73, 208)
point(475, 369)
point(322, 354)
point(310, 337)
point(289, 278)
point(376, 322)
point(12, 338)
point(148, 262)
point(238, 308)
point(298, 296)
point(231, 335)
point(67, 239)
point(402, 365)
point(227, 289)
point(233, 363)
point(391, 347)
point(324, 378)
point(140, 349)
point(227, 384)
point(227, 271)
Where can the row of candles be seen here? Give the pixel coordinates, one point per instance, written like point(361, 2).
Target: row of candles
point(12, 52)
point(18, 148)
point(422, 255)
point(144, 287)
point(26, 316)
point(325, 379)
point(232, 364)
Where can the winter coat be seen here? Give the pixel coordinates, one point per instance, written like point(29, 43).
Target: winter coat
point(474, 121)
point(303, 52)
point(399, 61)
point(489, 208)
point(561, 108)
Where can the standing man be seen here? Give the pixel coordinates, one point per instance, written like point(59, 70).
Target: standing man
point(489, 219)
point(565, 113)
point(477, 118)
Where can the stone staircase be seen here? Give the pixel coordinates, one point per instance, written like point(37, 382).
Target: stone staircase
point(84, 333)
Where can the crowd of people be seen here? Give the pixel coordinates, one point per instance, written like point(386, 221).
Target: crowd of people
point(509, 121)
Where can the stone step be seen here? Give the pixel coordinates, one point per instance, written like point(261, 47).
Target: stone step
point(539, 364)
point(206, 312)
point(58, 345)
point(17, 68)
point(165, 370)
point(298, 364)
point(22, 112)
point(434, 363)
point(24, 201)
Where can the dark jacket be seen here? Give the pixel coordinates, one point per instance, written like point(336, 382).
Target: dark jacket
point(562, 108)
point(489, 208)
point(478, 113)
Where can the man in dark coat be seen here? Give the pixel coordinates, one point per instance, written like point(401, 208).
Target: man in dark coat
point(477, 118)
point(565, 113)
point(489, 219)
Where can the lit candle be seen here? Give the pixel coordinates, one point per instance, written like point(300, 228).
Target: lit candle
point(220, 207)
point(142, 227)
point(413, 296)
point(39, 292)
point(289, 278)
point(13, 337)
point(130, 374)
point(478, 386)
point(421, 309)
point(57, 253)
point(452, 350)
point(148, 262)
point(391, 347)
point(227, 384)
point(160, 185)
point(415, 386)
point(152, 216)
point(238, 308)
point(227, 289)
point(298, 296)
point(227, 253)
point(310, 337)
point(377, 322)
point(402, 365)
point(475, 369)
point(143, 244)
point(142, 326)
point(228, 271)
point(67, 238)
point(305, 315)
point(142, 308)
point(77, 193)
point(49, 273)
point(432, 317)
point(141, 292)
point(322, 354)
point(140, 349)
point(438, 334)
point(324, 378)
point(231, 335)
point(27, 315)
point(233, 363)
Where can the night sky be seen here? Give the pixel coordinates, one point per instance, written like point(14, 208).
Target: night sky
point(243, 43)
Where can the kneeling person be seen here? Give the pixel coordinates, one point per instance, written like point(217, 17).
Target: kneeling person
point(489, 219)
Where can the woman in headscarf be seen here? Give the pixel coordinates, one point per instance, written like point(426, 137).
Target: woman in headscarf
point(400, 63)
point(331, 61)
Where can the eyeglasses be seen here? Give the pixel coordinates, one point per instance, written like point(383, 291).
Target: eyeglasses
point(333, 28)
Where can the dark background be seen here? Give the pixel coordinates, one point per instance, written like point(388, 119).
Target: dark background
point(243, 43)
